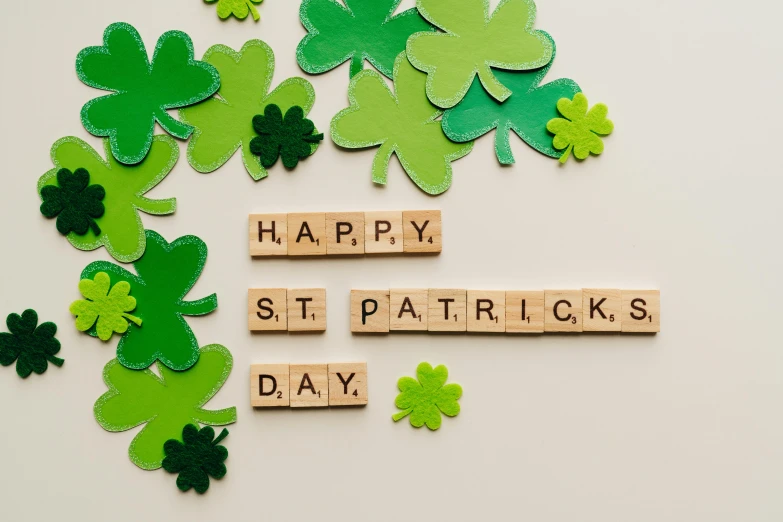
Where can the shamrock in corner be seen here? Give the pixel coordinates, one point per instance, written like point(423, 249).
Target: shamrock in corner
point(31, 345)
point(290, 136)
point(74, 202)
point(424, 399)
point(580, 130)
point(238, 8)
point(105, 304)
point(196, 458)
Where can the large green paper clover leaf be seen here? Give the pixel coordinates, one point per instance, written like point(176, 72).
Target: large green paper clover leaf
point(362, 29)
point(165, 404)
point(474, 42)
point(106, 304)
point(196, 458)
point(403, 122)
point(143, 89)
point(225, 123)
point(166, 273)
point(30, 344)
point(238, 8)
point(424, 399)
point(121, 229)
point(580, 130)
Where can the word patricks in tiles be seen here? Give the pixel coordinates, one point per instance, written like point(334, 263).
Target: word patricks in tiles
point(280, 309)
point(308, 385)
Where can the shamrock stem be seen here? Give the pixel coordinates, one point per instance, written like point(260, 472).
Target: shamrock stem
point(357, 64)
point(172, 126)
point(401, 414)
point(223, 435)
point(380, 164)
point(313, 138)
point(132, 318)
point(252, 10)
point(54, 360)
point(492, 85)
point(203, 306)
point(94, 226)
point(503, 147)
point(567, 153)
point(156, 206)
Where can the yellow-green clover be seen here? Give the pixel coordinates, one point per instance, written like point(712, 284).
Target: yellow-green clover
point(580, 129)
point(106, 304)
point(425, 399)
point(238, 8)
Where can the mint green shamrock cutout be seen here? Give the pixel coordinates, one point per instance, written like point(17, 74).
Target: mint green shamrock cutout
point(580, 130)
point(225, 123)
point(238, 8)
point(473, 42)
point(424, 399)
point(106, 304)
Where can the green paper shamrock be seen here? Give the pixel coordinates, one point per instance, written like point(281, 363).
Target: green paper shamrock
point(196, 459)
point(164, 403)
point(106, 306)
point(403, 122)
point(472, 43)
point(166, 273)
point(224, 123)
point(360, 30)
point(425, 399)
point(526, 112)
point(143, 89)
point(75, 202)
point(238, 8)
point(580, 130)
point(290, 137)
point(30, 346)
point(121, 229)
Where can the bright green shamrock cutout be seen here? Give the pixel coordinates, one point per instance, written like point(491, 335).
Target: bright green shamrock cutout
point(31, 345)
point(165, 404)
point(105, 305)
point(225, 123)
point(290, 136)
point(196, 458)
point(121, 230)
point(403, 122)
point(143, 89)
point(473, 42)
point(238, 8)
point(425, 399)
point(580, 130)
point(526, 112)
point(74, 201)
point(360, 30)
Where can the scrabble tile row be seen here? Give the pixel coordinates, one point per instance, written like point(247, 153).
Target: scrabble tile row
point(345, 233)
point(308, 385)
point(280, 309)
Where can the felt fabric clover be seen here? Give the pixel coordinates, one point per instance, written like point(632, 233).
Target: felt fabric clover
point(164, 404)
point(403, 122)
point(74, 202)
point(120, 228)
point(166, 273)
point(106, 304)
point(290, 136)
point(143, 89)
point(196, 458)
point(238, 8)
point(424, 399)
point(224, 123)
point(31, 345)
point(580, 129)
point(473, 42)
point(357, 31)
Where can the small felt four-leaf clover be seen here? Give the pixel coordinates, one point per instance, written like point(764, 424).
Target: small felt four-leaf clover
point(107, 306)
point(580, 129)
point(196, 458)
point(290, 136)
point(425, 399)
point(238, 8)
point(74, 201)
point(30, 346)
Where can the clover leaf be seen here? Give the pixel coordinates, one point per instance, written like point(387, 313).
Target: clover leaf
point(164, 404)
point(31, 345)
point(107, 307)
point(75, 202)
point(290, 137)
point(143, 89)
point(224, 123)
point(357, 31)
point(403, 122)
point(425, 399)
point(580, 129)
point(196, 458)
point(473, 42)
point(238, 8)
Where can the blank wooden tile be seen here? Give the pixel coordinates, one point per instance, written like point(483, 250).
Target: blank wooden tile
point(307, 234)
point(563, 310)
point(383, 232)
point(269, 385)
point(345, 233)
point(268, 234)
point(306, 309)
point(422, 231)
point(266, 309)
point(602, 310)
point(641, 311)
point(525, 311)
point(370, 311)
point(309, 386)
point(486, 311)
point(447, 310)
point(347, 384)
point(408, 309)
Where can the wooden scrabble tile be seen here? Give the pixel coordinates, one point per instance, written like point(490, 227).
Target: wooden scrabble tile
point(563, 310)
point(307, 234)
point(307, 310)
point(602, 310)
point(383, 232)
point(641, 311)
point(267, 309)
point(370, 311)
point(422, 231)
point(269, 385)
point(347, 384)
point(309, 386)
point(344, 233)
point(447, 310)
point(268, 234)
point(408, 309)
point(525, 311)
point(486, 311)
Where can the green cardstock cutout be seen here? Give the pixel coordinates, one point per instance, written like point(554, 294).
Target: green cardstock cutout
point(580, 129)
point(527, 111)
point(196, 458)
point(225, 123)
point(403, 122)
point(143, 89)
point(474, 42)
point(166, 273)
point(165, 404)
point(106, 304)
point(121, 230)
point(30, 344)
point(239, 8)
point(362, 30)
point(424, 399)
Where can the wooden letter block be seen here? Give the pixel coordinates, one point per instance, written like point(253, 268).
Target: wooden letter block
point(563, 310)
point(307, 310)
point(347, 384)
point(525, 311)
point(267, 309)
point(269, 385)
point(486, 311)
point(383, 232)
point(307, 234)
point(422, 231)
point(344, 233)
point(641, 311)
point(268, 235)
point(602, 310)
point(408, 310)
point(447, 310)
point(309, 386)
point(370, 311)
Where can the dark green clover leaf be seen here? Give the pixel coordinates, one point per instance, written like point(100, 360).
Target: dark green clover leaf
point(29, 346)
point(290, 136)
point(196, 458)
point(425, 399)
point(74, 201)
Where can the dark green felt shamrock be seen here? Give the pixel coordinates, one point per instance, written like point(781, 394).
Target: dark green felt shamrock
point(75, 202)
point(196, 458)
point(290, 137)
point(29, 346)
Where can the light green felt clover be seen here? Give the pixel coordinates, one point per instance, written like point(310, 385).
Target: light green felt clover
point(580, 129)
point(238, 8)
point(121, 230)
point(424, 399)
point(165, 404)
point(225, 123)
point(473, 42)
point(403, 122)
point(108, 307)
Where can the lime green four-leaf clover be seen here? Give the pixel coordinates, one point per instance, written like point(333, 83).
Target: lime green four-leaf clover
point(426, 398)
point(238, 8)
point(106, 304)
point(581, 129)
